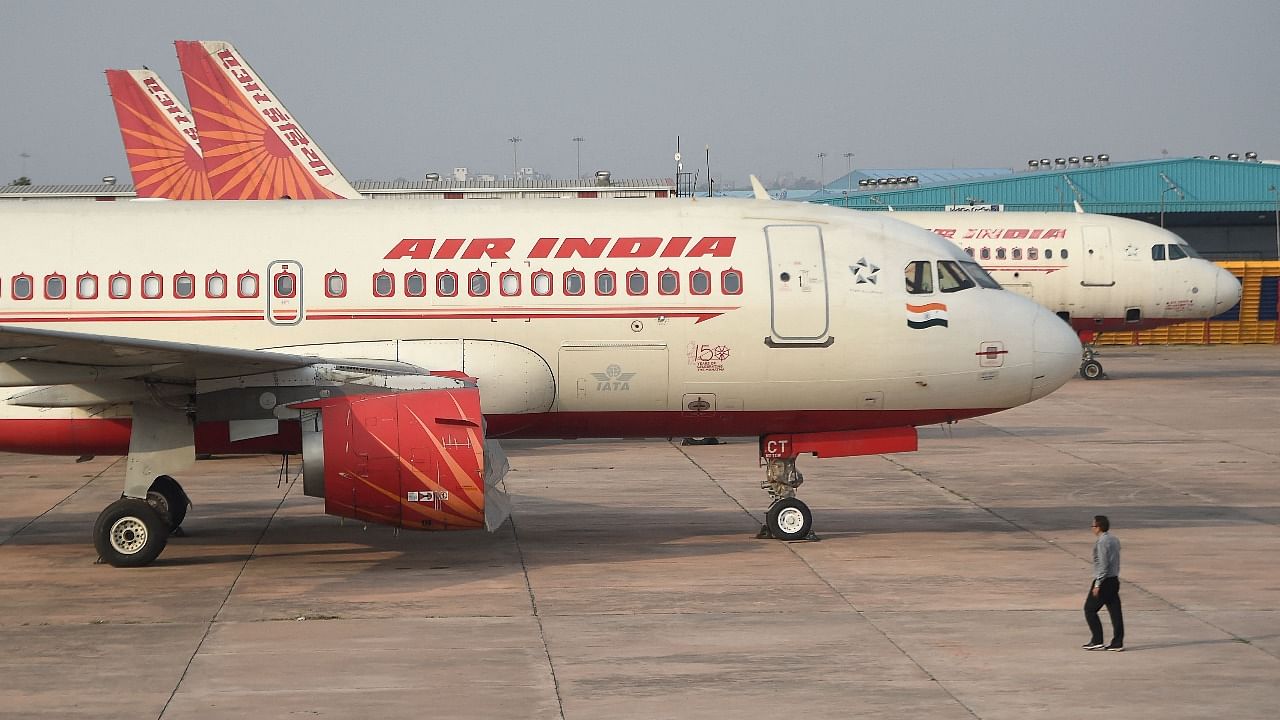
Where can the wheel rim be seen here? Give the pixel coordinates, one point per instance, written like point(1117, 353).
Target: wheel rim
point(790, 521)
point(128, 535)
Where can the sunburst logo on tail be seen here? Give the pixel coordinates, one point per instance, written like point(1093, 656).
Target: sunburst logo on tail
point(159, 136)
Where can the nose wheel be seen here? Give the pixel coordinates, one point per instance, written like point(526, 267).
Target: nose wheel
point(1090, 368)
point(788, 518)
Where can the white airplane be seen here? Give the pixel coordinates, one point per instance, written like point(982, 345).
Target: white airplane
point(390, 343)
point(160, 138)
point(1100, 273)
point(253, 148)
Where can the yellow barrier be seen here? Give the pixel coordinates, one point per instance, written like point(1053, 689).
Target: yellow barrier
point(1254, 320)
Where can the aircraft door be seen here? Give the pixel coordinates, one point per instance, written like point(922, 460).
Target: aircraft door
point(284, 293)
point(797, 286)
point(1097, 257)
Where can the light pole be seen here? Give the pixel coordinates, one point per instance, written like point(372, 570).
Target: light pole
point(515, 158)
point(708, 149)
point(578, 141)
point(848, 178)
point(822, 169)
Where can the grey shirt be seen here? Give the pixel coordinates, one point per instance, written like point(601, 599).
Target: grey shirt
point(1106, 558)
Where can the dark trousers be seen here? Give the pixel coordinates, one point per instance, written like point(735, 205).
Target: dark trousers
point(1109, 595)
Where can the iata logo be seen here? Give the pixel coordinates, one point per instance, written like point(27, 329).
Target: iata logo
point(613, 379)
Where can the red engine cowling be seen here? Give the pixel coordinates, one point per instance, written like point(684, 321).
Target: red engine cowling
point(412, 459)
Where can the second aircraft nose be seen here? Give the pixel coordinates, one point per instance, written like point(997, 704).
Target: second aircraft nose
point(1226, 293)
point(1056, 356)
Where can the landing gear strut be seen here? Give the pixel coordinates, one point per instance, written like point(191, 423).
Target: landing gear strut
point(1090, 369)
point(788, 518)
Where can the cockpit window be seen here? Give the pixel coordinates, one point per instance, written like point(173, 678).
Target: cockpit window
point(1157, 252)
point(1176, 253)
point(952, 278)
point(1190, 251)
point(919, 276)
point(980, 275)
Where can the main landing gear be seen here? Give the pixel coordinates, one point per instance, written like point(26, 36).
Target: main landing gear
point(1090, 368)
point(131, 532)
point(788, 518)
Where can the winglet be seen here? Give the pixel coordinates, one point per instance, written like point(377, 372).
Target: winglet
point(160, 139)
point(758, 189)
point(253, 147)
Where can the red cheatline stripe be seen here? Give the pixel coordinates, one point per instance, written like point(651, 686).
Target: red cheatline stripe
point(926, 307)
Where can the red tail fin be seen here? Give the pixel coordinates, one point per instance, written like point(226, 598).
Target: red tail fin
point(253, 148)
point(160, 137)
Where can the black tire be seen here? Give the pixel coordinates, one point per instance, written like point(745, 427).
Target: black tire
point(789, 519)
point(1091, 370)
point(129, 533)
point(169, 501)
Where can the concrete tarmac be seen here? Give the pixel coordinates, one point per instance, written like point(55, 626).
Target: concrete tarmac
point(948, 583)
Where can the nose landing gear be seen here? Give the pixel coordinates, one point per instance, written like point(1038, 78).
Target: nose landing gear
point(1090, 368)
point(788, 518)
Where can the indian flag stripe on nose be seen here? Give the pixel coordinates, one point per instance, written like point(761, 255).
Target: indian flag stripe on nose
point(926, 316)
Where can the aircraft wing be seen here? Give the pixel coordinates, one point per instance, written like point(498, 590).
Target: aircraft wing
point(30, 356)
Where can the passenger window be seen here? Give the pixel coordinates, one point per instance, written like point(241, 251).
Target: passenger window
point(700, 282)
point(952, 277)
point(447, 284)
point(1033, 253)
point(574, 283)
point(286, 284)
point(1000, 254)
point(985, 253)
point(478, 284)
point(540, 283)
point(384, 284)
point(1048, 254)
point(668, 282)
point(509, 283)
point(970, 251)
point(87, 287)
point(55, 287)
point(1175, 252)
point(184, 286)
point(415, 284)
point(919, 277)
point(637, 282)
point(22, 287)
point(152, 286)
point(1063, 254)
point(335, 284)
point(731, 282)
point(247, 285)
point(118, 286)
point(1017, 253)
point(606, 283)
point(215, 285)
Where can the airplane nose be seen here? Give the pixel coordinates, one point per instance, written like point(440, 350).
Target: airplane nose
point(1226, 292)
point(1056, 354)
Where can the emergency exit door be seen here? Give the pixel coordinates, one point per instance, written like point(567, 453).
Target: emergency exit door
point(1097, 257)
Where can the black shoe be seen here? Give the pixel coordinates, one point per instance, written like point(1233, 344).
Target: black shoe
point(1094, 646)
point(1115, 648)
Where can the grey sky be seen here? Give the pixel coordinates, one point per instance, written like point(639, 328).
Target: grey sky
point(397, 89)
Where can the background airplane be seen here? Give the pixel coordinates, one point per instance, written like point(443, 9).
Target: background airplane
point(160, 137)
point(389, 343)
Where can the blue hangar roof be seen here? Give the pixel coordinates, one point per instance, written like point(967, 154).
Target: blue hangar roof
point(1143, 186)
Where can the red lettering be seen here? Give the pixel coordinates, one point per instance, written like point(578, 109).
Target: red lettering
point(411, 248)
point(582, 247)
point(228, 60)
point(1054, 233)
point(449, 249)
point(675, 246)
point(713, 246)
point(542, 248)
point(945, 232)
point(635, 247)
point(1035, 234)
point(494, 248)
point(1015, 233)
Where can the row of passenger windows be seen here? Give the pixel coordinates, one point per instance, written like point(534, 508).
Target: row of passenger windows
point(952, 277)
point(510, 283)
point(1015, 253)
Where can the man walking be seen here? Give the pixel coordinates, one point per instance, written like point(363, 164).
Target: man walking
point(1105, 589)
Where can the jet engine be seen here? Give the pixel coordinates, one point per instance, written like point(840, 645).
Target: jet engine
point(415, 459)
